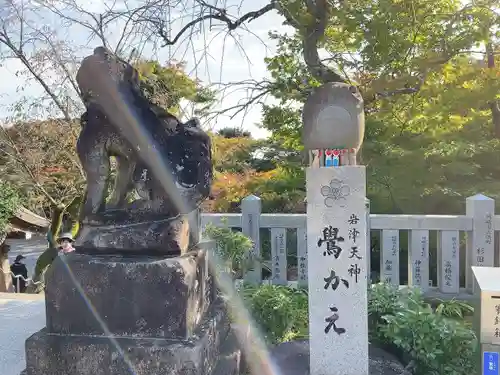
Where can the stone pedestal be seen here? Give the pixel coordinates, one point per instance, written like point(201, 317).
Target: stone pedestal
point(166, 237)
point(292, 358)
point(111, 315)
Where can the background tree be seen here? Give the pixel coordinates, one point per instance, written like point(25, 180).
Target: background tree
point(169, 86)
point(39, 158)
point(9, 203)
point(233, 133)
point(403, 68)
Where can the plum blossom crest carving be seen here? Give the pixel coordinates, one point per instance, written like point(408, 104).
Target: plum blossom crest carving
point(334, 192)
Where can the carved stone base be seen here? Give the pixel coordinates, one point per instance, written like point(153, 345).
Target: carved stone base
point(54, 354)
point(168, 237)
point(128, 296)
point(118, 315)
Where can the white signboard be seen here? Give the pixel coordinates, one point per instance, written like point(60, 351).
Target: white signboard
point(278, 256)
point(390, 257)
point(419, 259)
point(448, 261)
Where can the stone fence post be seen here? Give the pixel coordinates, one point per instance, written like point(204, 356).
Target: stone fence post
point(368, 243)
point(251, 208)
point(480, 249)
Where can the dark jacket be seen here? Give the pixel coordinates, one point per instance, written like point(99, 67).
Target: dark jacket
point(19, 268)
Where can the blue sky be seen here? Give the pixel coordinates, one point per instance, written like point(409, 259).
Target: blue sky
point(211, 56)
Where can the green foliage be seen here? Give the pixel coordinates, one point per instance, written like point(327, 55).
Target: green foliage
point(285, 125)
point(232, 154)
point(234, 133)
point(283, 191)
point(9, 203)
point(233, 247)
point(454, 309)
point(246, 166)
point(446, 136)
point(272, 187)
point(439, 343)
point(383, 301)
point(166, 85)
point(444, 130)
point(39, 159)
point(280, 312)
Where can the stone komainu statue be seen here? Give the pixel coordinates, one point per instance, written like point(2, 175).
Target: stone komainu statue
point(117, 116)
point(112, 95)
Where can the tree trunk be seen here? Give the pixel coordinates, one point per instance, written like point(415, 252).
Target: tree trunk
point(5, 277)
point(494, 104)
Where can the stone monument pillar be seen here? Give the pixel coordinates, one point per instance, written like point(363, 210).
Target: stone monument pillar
point(337, 245)
point(487, 318)
point(336, 235)
point(135, 297)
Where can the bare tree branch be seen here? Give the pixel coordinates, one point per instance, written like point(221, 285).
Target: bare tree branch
point(4, 39)
point(15, 23)
point(219, 14)
point(312, 34)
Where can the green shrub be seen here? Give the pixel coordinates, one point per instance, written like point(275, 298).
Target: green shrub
point(383, 300)
point(280, 312)
point(231, 246)
point(454, 309)
point(438, 341)
point(9, 203)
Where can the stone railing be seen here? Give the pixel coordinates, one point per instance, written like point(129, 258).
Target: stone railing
point(432, 252)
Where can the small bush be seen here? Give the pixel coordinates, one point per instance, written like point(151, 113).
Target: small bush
point(454, 309)
point(438, 341)
point(280, 312)
point(9, 203)
point(231, 246)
